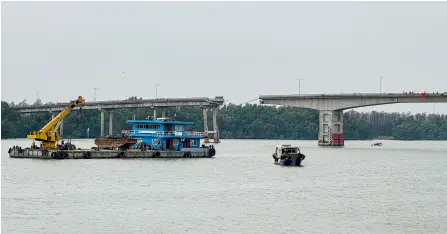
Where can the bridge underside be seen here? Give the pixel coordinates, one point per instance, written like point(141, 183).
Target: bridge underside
point(331, 108)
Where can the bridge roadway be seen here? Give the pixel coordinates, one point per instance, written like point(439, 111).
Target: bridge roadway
point(160, 103)
point(204, 102)
point(331, 107)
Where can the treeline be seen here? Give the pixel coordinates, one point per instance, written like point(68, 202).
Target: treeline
point(240, 122)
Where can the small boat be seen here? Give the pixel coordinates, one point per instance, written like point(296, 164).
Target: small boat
point(288, 155)
point(377, 144)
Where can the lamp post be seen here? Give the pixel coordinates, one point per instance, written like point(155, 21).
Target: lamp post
point(94, 94)
point(299, 86)
point(156, 91)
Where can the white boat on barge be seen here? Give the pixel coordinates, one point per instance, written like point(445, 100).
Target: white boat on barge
point(288, 155)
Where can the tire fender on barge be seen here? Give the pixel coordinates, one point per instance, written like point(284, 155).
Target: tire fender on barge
point(87, 154)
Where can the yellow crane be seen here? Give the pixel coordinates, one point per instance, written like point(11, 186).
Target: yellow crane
point(48, 134)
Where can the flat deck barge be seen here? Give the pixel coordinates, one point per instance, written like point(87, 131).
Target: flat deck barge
point(17, 152)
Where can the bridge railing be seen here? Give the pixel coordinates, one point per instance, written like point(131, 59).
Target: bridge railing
point(349, 95)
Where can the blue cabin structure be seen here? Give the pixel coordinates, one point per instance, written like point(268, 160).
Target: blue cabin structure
point(163, 134)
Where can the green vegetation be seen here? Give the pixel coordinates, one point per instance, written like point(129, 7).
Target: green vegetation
point(241, 122)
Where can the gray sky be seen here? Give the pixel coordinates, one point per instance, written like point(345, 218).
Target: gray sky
point(232, 49)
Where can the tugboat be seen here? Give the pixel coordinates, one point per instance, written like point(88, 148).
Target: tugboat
point(288, 155)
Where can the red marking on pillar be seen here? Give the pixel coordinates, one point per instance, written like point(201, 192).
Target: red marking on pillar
point(338, 139)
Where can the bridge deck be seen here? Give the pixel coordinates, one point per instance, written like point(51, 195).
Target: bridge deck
point(116, 104)
point(349, 95)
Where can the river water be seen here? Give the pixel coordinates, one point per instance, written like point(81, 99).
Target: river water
point(400, 187)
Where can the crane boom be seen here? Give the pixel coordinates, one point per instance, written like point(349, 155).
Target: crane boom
point(48, 136)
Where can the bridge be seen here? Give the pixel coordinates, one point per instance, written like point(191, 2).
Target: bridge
point(156, 104)
point(331, 107)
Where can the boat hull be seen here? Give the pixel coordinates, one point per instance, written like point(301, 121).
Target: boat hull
point(293, 160)
point(102, 154)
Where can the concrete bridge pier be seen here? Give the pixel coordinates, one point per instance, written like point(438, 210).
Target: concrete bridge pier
point(215, 127)
point(102, 122)
point(52, 117)
point(331, 128)
point(205, 125)
point(110, 123)
point(155, 114)
point(61, 129)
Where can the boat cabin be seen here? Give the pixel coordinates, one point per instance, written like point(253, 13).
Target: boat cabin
point(286, 149)
point(163, 134)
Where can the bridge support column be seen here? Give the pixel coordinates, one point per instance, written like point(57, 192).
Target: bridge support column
point(155, 114)
point(110, 123)
point(52, 117)
point(331, 128)
point(102, 123)
point(133, 116)
point(205, 125)
point(215, 127)
point(163, 113)
point(61, 129)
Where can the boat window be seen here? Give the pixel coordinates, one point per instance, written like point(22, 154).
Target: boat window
point(179, 127)
point(148, 126)
point(193, 142)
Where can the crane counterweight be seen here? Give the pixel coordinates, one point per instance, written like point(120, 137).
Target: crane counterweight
point(48, 134)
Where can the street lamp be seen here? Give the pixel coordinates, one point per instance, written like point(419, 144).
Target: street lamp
point(94, 94)
point(381, 84)
point(299, 86)
point(156, 91)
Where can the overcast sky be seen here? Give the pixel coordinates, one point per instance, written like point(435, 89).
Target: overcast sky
point(231, 49)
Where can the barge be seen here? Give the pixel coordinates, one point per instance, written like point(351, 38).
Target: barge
point(18, 152)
